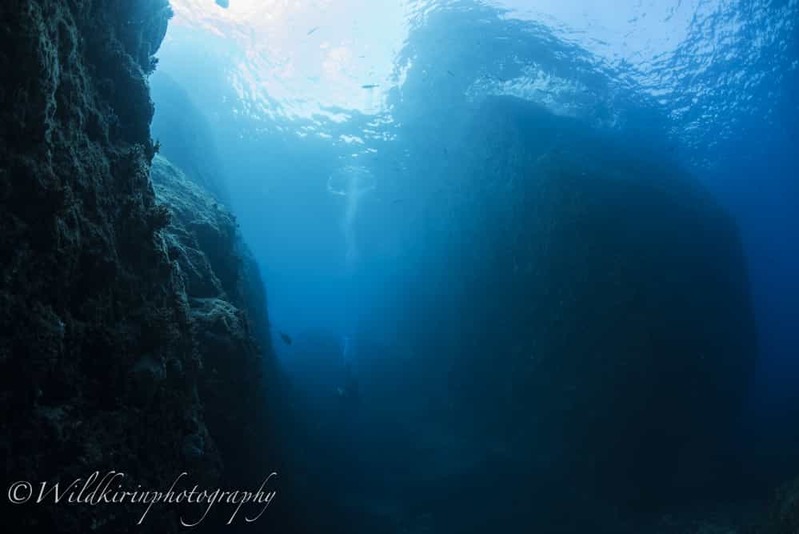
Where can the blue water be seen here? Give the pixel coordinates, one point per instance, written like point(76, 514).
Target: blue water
point(373, 154)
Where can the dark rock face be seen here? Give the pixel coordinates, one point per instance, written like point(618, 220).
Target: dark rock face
point(101, 311)
point(783, 518)
point(232, 382)
point(629, 283)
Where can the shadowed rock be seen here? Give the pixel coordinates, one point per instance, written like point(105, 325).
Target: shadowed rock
point(610, 321)
point(99, 367)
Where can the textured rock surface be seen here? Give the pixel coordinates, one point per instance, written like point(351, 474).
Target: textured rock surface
point(99, 367)
point(222, 295)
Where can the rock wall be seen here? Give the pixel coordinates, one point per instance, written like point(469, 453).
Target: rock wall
point(611, 321)
point(102, 311)
point(237, 374)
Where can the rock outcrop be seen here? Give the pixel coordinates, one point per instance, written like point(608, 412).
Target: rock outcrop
point(628, 281)
point(114, 332)
point(222, 291)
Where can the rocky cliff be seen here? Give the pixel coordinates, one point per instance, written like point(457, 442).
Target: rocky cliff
point(237, 379)
point(116, 327)
point(629, 282)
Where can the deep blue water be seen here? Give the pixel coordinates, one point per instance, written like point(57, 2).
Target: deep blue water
point(390, 233)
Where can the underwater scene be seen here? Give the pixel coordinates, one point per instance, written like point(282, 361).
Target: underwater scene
point(399, 266)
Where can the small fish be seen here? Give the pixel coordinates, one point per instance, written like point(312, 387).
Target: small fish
point(451, 73)
point(312, 30)
point(369, 86)
point(286, 338)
